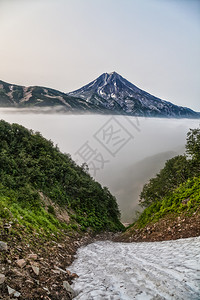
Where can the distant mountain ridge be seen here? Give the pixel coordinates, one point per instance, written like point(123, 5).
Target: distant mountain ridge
point(110, 93)
point(12, 95)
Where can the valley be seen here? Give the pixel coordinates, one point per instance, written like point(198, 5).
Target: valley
point(41, 241)
point(99, 150)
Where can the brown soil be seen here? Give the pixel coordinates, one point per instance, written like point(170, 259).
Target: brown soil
point(168, 228)
point(51, 257)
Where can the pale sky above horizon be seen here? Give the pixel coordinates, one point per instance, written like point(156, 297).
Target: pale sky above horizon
point(65, 44)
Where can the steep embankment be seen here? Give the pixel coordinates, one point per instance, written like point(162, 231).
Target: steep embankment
point(34, 170)
point(176, 216)
point(49, 206)
point(33, 266)
point(172, 199)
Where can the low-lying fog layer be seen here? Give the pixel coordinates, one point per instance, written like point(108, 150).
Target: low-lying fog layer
point(121, 152)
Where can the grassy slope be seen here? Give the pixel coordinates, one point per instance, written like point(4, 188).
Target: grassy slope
point(176, 216)
point(30, 166)
point(33, 220)
point(185, 199)
point(171, 196)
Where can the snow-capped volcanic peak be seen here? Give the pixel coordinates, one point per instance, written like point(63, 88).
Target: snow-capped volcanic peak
point(113, 92)
point(108, 85)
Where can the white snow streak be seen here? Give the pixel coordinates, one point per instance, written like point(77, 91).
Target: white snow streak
point(143, 271)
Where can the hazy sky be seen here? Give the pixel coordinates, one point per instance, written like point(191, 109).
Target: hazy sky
point(65, 44)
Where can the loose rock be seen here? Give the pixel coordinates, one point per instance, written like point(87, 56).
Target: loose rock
point(3, 246)
point(74, 275)
point(55, 271)
point(32, 256)
point(21, 263)
point(35, 269)
point(68, 288)
point(2, 278)
point(59, 269)
point(13, 292)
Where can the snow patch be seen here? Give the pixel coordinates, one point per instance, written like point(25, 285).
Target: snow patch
point(27, 94)
point(126, 271)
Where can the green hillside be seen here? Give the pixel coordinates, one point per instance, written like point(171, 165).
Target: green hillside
point(185, 199)
point(44, 190)
point(176, 189)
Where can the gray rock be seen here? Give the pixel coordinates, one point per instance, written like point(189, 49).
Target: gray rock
point(59, 269)
point(2, 278)
point(47, 290)
point(13, 292)
point(3, 246)
point(17, 294)
point(10, 290)
point(55, 271)
point(68, 288)
point(35, 269)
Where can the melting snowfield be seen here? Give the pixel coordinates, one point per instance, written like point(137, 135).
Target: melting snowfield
point(159, 270)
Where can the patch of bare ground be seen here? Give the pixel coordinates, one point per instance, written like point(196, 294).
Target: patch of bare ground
point(171, 227)
point(34, 268)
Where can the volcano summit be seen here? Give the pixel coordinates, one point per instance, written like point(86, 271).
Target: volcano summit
point(118, 95)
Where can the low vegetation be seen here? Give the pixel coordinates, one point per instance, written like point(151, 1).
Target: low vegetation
point(32, 219)
point(31, 166)
point(176, 189)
